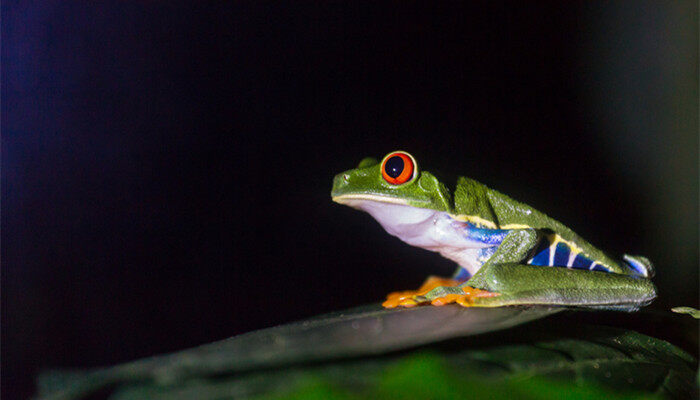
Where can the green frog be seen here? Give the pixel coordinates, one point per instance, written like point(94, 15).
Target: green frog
point(508, 252)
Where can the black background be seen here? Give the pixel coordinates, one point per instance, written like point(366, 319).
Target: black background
point(167, 167)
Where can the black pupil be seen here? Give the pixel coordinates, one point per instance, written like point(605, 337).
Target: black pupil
point(394, 166)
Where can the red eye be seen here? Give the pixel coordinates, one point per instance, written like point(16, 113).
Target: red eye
point(398, 168)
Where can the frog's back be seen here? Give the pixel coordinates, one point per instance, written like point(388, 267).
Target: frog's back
point(496, 210)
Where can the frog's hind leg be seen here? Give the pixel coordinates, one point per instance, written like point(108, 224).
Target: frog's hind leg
point(528, 284)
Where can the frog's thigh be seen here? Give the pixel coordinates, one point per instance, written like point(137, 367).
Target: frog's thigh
point(529, 284)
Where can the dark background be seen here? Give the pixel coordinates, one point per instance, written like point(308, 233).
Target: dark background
point(166, 168)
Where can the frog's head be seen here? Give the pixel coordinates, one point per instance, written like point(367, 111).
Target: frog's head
point(396, 180)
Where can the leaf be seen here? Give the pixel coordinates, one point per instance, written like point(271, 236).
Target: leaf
point(419, 376)
point(356, 353)
point(687, 310)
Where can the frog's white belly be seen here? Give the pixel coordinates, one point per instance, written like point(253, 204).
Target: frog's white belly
point(429, 229)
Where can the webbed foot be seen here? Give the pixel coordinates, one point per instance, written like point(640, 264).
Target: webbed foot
point(466, 298)
point(437, 291)
point(407, 298)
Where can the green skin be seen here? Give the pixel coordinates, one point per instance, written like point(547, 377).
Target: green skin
point(506, 272)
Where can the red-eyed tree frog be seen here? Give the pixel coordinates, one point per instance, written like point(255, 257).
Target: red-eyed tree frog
point(508, 252)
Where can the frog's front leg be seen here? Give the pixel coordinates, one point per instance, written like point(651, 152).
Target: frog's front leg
point(406, 298)
point(515, 247)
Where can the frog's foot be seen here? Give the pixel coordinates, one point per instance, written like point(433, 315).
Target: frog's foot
point(466, 297)
point(411, 298)
point(438, 292)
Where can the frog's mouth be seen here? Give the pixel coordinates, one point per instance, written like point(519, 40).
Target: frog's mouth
point(355, 198)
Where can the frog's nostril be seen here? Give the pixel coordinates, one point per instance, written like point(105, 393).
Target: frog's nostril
point(346, 178)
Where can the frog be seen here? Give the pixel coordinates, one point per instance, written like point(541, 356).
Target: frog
point(507, 252)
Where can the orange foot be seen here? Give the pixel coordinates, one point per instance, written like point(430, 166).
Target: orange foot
point(407, 298)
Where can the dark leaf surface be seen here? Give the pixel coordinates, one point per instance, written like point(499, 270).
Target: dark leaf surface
point(366, 351)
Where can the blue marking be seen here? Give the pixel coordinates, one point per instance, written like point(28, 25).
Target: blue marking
point(562, 252)
point(581, 262)
point(542, 258)
point(541, 254)
point(561, 255)
point(636, 266)
point(461, 275)
point(484, 235)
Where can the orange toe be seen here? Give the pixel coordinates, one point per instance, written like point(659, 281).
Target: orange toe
point(447, 299)
point(395, 301)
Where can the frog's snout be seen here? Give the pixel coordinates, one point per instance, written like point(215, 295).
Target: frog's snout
point(340, 181)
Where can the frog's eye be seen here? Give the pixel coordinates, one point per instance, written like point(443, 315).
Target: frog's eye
point(398, 167)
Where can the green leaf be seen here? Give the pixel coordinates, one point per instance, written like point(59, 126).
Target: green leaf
point(687, 310)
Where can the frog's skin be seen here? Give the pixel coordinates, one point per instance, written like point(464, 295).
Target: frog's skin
point(508, 252)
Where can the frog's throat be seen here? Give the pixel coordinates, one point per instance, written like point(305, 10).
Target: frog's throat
point(421, 227)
